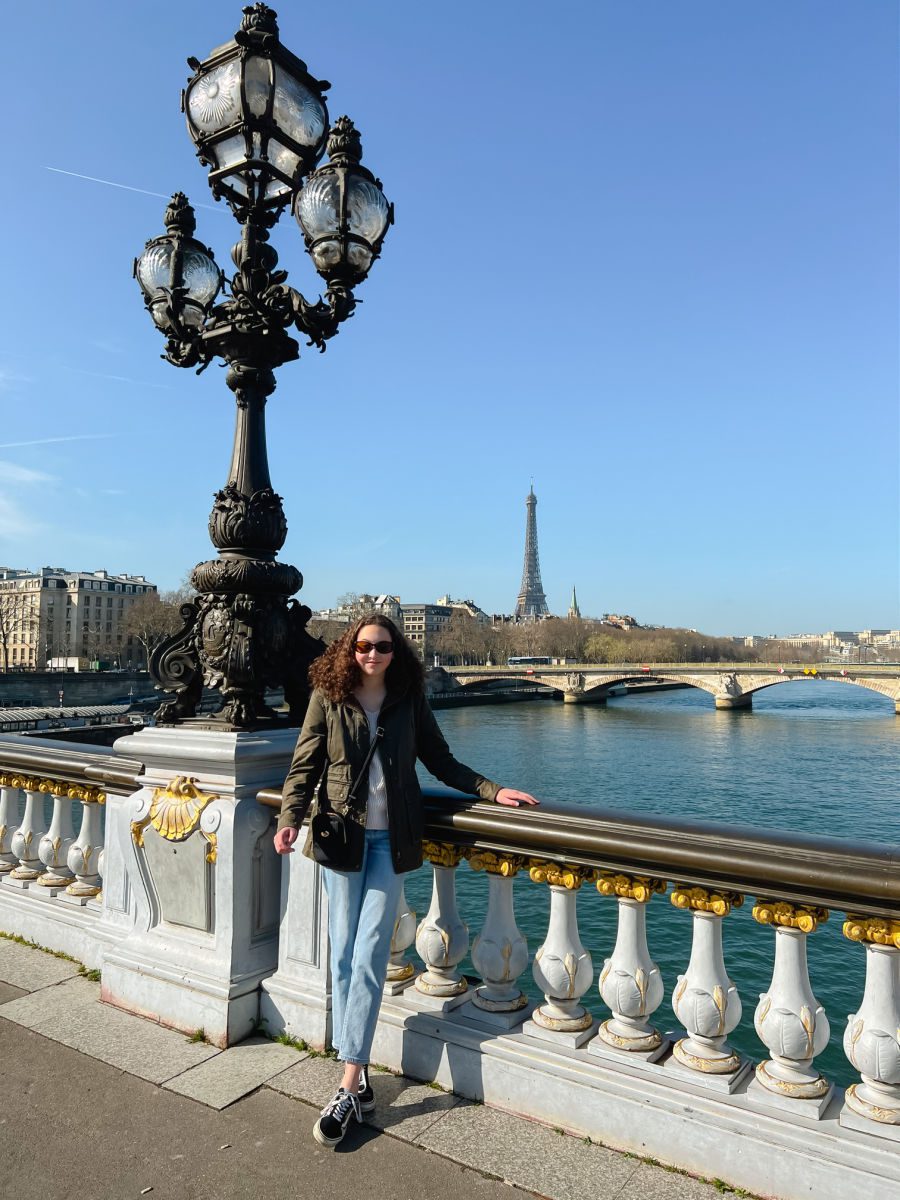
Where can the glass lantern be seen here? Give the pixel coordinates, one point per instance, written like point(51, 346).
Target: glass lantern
point(256, 115)
point(177, 274)
point(343, 211)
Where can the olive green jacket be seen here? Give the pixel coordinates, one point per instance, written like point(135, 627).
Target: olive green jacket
point(332, 747)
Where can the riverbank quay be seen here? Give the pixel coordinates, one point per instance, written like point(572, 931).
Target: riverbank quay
point(198, 1123)
point(192, 920)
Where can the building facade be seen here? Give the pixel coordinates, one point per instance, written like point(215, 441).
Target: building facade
point(422, 623)
point(68, 618)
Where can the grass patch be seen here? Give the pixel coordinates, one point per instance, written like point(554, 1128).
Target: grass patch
point(87, 973)
point(285, 1039)
point(199, 1035)
point(20, 941)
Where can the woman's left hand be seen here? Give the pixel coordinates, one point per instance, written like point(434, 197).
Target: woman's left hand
point(512, 798)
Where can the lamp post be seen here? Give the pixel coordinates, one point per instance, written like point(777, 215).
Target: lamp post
point(259, 121)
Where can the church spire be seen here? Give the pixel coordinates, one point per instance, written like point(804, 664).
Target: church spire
point(574, 610)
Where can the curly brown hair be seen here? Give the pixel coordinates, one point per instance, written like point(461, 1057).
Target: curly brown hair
point(336, 674)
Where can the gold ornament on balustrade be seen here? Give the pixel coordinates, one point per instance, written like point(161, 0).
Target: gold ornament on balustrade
point(53, 787)
point(495, 864)
point(876, 931)
point(699, 899)
point(559, 875)
point(175, 812)
point(783, 914)
point(443, 854)
point(630, 887)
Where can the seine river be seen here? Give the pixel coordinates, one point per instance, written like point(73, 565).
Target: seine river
point(813, 757)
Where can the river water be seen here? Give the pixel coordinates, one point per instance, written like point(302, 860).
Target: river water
point(812, 756)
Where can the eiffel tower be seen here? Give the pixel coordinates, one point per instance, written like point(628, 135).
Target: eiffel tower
point(532, 602)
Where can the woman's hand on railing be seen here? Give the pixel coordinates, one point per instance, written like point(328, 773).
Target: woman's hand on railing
point(512, 798)
point(284, 841)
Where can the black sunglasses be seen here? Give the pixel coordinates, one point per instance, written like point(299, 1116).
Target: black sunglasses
point(381, 647)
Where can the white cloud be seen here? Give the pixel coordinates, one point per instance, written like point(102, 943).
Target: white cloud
point(15, 473)
point(72, 437)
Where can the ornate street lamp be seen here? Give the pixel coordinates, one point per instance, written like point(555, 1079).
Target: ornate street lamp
point(259, 122)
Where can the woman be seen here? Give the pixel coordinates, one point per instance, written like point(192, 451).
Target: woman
point(368, 680)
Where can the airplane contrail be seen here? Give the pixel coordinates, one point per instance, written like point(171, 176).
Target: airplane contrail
point(73, 437)
point(125, 187)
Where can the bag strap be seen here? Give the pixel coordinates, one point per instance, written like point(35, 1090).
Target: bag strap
point(373, 746)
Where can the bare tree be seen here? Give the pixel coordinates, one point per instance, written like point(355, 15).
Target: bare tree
point(152, 619)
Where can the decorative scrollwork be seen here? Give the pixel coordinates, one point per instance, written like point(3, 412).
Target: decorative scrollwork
point(506, 865)
point(876, 931)
point(641, 888)
point(699, 899)
point(247, 522)
point(175, 812)
point(558, 875)
point(789, 916)
point(442, 854)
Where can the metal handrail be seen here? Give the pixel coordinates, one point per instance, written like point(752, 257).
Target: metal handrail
point(858, 877)
point(50, 758)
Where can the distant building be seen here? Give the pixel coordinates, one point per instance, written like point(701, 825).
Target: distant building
point(574, 611)
point(619, 620)
point(422, 623)
point(469, 607)
point(76, 617)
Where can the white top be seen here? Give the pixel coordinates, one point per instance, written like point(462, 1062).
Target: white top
point(376, 804)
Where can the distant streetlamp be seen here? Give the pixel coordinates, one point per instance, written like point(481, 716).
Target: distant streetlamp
point(259, 122)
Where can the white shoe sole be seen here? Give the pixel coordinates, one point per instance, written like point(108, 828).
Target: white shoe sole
point(323, 1140)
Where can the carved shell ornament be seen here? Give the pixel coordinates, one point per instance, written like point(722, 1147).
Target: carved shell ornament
point(174, 811)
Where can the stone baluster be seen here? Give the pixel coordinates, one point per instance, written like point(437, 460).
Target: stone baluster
point(442, 939)
point(27, 838)
point(499, 952)
point(630, 981)
point(10, 820)
point(706, 1002)
point(562, 968)
point(84, 853)
point(400, 970)
point(789, 1020)
point(872, 1037)
point(57, 841)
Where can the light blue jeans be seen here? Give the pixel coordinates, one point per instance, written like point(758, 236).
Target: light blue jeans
point(362, 909)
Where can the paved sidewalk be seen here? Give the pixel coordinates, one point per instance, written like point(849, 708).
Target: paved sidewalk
point(101, 1105)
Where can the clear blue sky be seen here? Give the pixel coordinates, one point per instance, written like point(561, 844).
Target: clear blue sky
point(645, 252)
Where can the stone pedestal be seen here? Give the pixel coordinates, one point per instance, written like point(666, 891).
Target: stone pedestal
point(297, 999)
point(201, 877)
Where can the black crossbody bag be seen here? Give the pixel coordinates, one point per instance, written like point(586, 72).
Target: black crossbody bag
point(337, 839)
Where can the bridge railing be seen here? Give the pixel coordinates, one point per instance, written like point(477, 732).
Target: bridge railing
point(52, 863)
point(707, 870)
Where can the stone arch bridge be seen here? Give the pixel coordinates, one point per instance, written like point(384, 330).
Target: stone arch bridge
point(731, 684)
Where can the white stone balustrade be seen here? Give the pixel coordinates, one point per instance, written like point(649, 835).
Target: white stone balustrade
point(562, 968)
point(499, 952)
point(27, 838)
point(789, 1021)
point(630, 981)
point(705, 1000)
point(83, 859)
point(55, 844)
point(400, 970)
point(872, 1037)
point(442, 938)
point(10, 820)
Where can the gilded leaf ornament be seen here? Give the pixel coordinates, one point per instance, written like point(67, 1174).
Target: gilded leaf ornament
point(699, 899)
point(806, 918)
point(877, 931)
point(175, 812)
point(630, 887)
point(442, 854)
point(555, 875)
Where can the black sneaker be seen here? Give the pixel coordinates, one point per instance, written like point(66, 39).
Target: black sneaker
point(364, 1092)
point(332, 1124)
